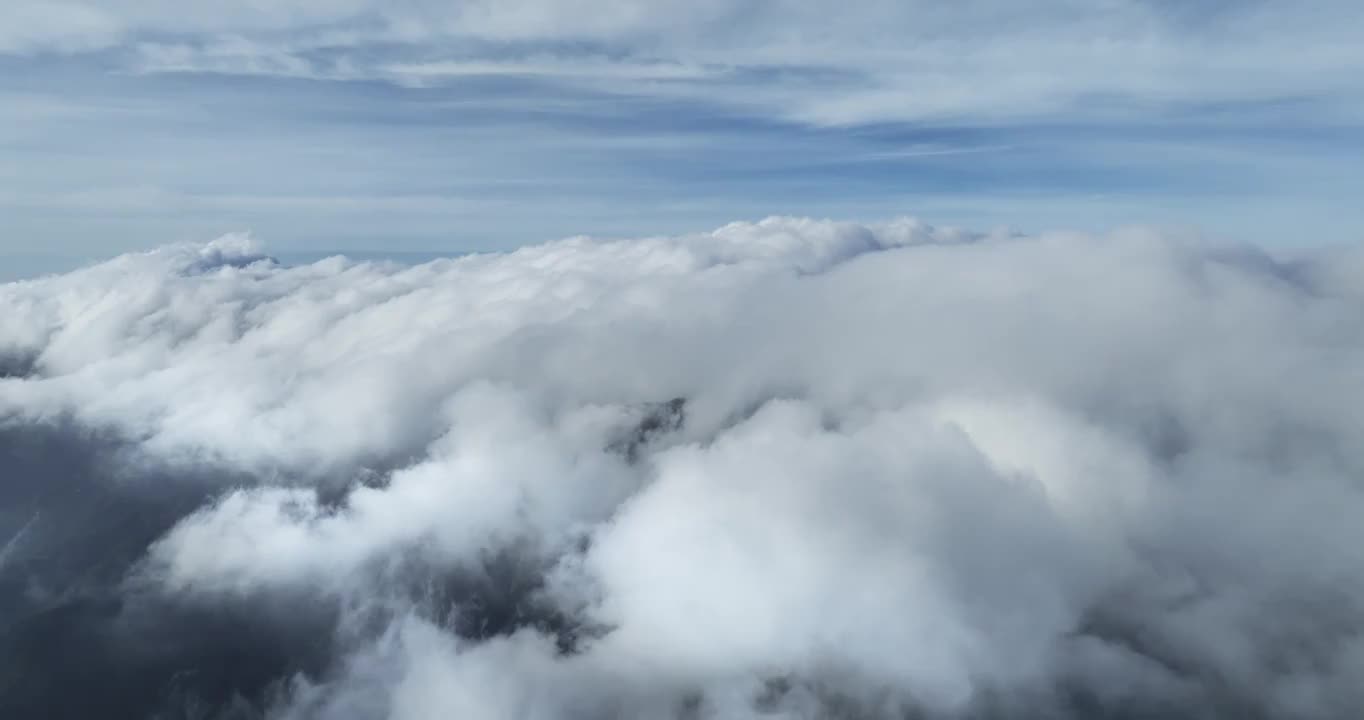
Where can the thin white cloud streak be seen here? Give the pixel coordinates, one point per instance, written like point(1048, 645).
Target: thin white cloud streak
point(918, 468)
point(15, 540)
point(549, 67)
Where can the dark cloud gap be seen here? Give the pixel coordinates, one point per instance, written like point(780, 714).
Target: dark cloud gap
point(81, 614)
point(659, 419)
point(212, 262)
point(79, 637)
point(1109, 626)
point(779, 693)
point(18, 365)
point(334, 495)
point(1306, 631)
point(505, 593)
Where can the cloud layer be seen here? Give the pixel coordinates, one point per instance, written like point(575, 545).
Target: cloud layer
point(815, 62)
point(792, 468)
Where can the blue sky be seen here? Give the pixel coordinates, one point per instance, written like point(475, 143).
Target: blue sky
point(446, 127)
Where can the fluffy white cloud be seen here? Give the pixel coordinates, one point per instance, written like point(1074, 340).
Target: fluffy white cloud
point(906, 467)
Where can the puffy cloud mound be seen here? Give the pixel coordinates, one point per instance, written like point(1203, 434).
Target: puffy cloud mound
point(790, 469)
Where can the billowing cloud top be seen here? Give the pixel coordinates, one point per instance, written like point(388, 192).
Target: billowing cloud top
point(789, 469)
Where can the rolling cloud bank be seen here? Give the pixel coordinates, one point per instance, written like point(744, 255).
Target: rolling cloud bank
point(790, 469)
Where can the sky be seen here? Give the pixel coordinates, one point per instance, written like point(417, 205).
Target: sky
point(974, 360)
point(446, 127)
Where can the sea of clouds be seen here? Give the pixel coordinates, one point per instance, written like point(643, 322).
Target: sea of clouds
point(786, 469)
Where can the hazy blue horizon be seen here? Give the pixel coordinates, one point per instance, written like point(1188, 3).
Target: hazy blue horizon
point(24, 266)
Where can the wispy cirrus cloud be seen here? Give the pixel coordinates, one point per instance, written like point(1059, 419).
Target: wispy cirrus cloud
point(898, 60)
point(627, 117)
